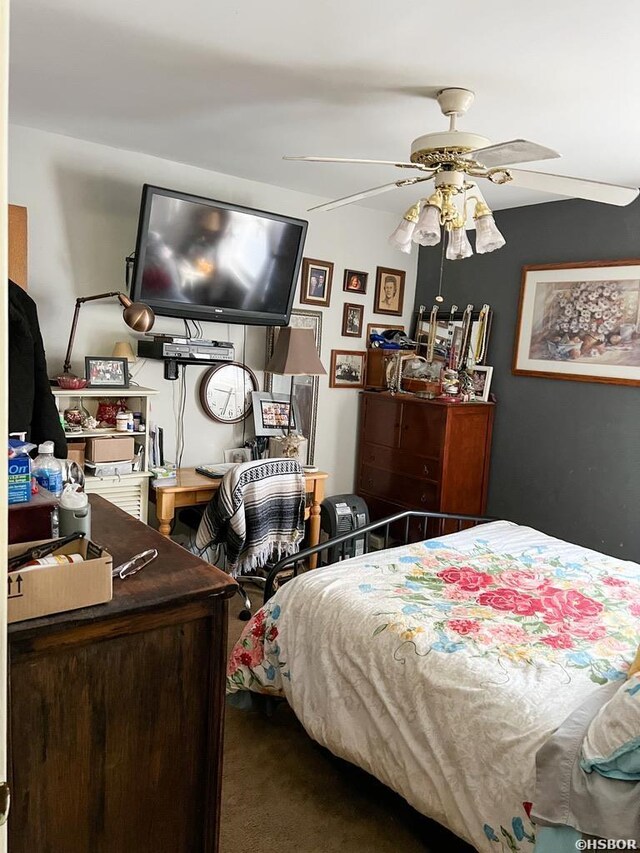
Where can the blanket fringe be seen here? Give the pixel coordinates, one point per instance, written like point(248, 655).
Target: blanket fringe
point(271, 551)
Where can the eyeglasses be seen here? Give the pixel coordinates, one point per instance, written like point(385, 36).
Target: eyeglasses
point(134, 564)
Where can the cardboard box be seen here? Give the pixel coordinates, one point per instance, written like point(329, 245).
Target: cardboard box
point(75, 451)
point(110, 448)
point(19, 479)
point(40, 590)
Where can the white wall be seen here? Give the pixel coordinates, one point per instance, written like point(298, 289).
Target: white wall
point(83, 202)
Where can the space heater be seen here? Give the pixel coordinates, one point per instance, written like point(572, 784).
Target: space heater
point(342, 514)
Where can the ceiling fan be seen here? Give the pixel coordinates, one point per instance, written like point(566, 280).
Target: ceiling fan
point(454, 159)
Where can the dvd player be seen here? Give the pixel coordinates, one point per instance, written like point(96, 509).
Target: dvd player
point(185, 350)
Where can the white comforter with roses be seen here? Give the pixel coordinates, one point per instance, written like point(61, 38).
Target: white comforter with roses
point(442, 667)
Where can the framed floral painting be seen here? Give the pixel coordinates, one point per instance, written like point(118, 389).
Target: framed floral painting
point(580, 321)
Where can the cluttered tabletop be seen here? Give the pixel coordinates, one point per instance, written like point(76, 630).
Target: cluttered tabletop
point(175, 577)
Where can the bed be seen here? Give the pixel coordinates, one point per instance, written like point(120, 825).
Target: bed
point(441, 667)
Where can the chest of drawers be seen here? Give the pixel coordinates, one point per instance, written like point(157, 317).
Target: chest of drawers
point(423, 454)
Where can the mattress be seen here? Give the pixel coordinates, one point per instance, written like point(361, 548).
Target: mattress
point(443, 666)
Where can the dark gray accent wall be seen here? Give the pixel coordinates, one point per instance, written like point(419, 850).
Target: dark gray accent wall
point(566, 455)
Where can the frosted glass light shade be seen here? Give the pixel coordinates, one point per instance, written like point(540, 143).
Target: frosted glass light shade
point(427, 231)
point(458, 245)
point(488, 238)
point(401, 237)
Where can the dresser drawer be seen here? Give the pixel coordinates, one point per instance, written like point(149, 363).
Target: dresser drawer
point(397, 461)
point(381, 420)
point(422, 429)
point(409, 491)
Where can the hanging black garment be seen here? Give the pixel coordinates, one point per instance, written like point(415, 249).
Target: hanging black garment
point(32, 408)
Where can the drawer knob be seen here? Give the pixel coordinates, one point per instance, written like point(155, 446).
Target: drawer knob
point(369, 482)
point(425, 469)
point(423, 498)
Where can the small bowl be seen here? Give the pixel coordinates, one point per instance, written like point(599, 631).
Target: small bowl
point(71, 383)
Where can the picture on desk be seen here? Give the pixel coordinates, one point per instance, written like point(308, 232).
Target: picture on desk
point(236, 455)
point(271, 413)
point(106, 372)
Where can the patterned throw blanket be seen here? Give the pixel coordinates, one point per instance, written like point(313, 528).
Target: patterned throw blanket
point(257, 512)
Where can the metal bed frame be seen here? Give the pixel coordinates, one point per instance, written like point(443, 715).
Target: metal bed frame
point(434, 524)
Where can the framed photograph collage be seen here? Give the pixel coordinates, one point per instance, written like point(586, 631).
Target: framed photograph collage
point(347, 366)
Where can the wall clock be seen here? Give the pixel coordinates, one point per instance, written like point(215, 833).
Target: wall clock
point(225, 392)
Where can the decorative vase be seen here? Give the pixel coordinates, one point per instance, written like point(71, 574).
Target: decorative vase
point(75, 413)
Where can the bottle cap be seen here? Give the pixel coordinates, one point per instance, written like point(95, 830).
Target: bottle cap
point(45, 447)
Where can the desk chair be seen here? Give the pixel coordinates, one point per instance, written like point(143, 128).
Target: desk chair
point(256, 514)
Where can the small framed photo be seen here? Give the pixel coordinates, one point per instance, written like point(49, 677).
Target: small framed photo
point(355, 281)
point(271, 413)
point(103, 372)
point(236, 455)
point(379, 328)
point(389, 296)
point(316, 282)
point(347, 368)
point(481, 381)
point(352, 317)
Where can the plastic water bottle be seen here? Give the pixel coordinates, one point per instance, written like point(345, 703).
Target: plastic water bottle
point(47, 470)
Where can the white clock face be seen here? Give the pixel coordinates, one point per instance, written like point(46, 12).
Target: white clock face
point(227, 392)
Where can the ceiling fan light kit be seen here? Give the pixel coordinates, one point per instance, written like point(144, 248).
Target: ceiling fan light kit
point(424, 221)
point(455, 158)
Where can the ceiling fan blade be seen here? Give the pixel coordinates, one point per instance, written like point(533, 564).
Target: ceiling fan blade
point(513, 151)
point(399, 163)
point(349, 199)
point(573, 187)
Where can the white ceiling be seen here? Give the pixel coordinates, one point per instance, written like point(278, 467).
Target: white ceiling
point(232, 86)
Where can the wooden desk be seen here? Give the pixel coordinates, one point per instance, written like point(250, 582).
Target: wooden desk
point(192, 488)
point(116, 711)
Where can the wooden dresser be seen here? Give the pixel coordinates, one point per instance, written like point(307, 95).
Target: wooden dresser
point(423, 454)
point(116, 711)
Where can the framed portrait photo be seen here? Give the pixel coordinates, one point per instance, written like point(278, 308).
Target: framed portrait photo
point(352, 317)
point(580, 321)
point(481, 381)
point(389, 297)
point(347, 368)
point(271, 413)
point(101, 372)
point(379, 328)
point(315, 286)
point(236, 455)
point(355, 281)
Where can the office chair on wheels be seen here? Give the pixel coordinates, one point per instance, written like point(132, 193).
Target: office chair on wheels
point(256, 515)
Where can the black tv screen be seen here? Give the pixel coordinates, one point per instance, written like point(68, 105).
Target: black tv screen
point(202, 259)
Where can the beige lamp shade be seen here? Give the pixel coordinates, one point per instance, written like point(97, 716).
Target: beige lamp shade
point(295, 354)
point(123, 349)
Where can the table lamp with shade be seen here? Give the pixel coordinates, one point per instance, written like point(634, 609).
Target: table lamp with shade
point(123, 349)
point(294, 354)
point(136, 315)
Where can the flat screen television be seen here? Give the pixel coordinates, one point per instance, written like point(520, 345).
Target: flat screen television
point(202, 259)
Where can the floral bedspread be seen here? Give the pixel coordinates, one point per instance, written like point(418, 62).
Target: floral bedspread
point(442, 667)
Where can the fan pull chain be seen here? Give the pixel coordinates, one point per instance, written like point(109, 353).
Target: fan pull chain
point(439, 297)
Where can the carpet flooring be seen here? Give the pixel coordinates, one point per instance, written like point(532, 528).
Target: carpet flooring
point(283, 793)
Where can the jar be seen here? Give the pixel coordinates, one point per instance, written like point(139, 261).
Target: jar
point(137, 419)
point(75, 413)
point(122, 421)
point(450, 383)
